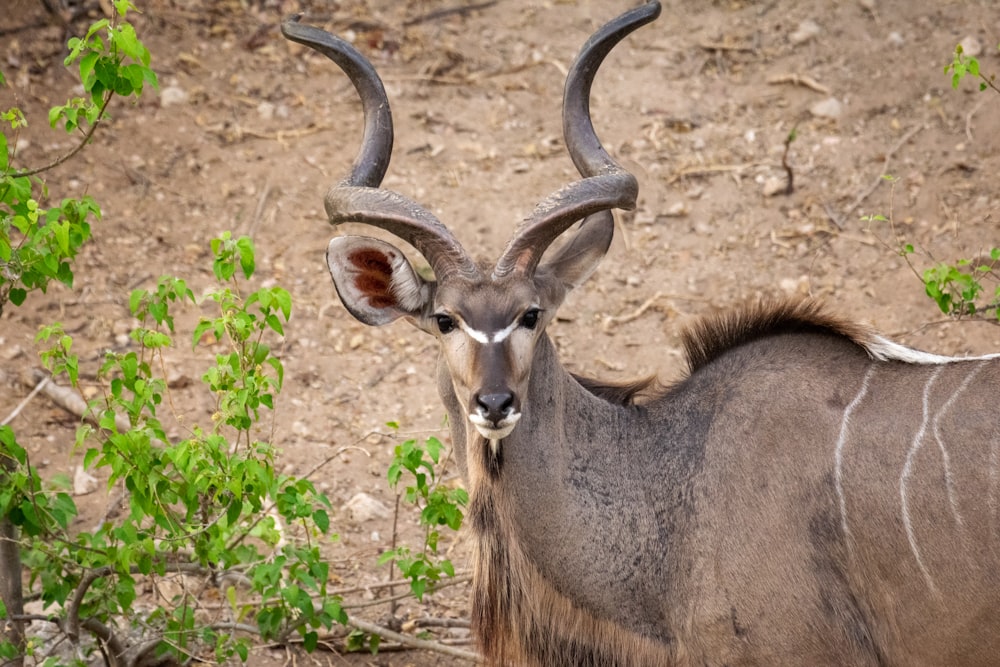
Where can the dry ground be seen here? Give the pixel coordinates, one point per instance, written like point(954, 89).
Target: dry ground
point(249, 131)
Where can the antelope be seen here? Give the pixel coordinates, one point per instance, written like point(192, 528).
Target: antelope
point(809, 493)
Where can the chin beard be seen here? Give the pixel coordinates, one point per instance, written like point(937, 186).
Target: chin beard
point(492, 453)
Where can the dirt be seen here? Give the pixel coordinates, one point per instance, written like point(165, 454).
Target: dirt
point(248, 131)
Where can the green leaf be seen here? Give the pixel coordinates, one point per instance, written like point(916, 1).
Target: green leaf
point(17, 295)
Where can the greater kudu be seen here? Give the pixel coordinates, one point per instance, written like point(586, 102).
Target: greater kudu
point(809, 494)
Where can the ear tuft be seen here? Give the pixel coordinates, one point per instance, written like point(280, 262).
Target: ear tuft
point(374, 280)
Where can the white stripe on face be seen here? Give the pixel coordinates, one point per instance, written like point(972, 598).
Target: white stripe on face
point(484, 338)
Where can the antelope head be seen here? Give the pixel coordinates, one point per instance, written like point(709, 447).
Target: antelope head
point(488, 320)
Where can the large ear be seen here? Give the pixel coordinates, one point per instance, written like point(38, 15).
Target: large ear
point(374, 280)
point(577, 259)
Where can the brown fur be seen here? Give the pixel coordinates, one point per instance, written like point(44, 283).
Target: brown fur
point(712, 336)
point(520, 619)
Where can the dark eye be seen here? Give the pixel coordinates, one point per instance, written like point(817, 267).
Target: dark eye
point(530, 319)
point(445, 323)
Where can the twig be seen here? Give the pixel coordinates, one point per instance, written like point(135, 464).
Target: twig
point(433, 588)
point(79, 147)
point(968, 117)
point(724, 46)
point(27, 399)
point(461, 576)
point(69, 400)
point(413, 642)
point(612, 320)
point(441, 13)
point(709, 169)
point(799, 80)
point(878, 179)
point(784, 162)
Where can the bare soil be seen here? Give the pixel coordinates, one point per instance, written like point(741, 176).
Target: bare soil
point(248, 131)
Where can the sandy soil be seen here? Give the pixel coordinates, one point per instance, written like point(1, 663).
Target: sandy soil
point(248, 131)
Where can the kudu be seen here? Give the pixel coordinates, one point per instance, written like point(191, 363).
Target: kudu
point(808, 494)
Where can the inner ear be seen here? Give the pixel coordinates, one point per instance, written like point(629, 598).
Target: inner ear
point(374, 280)
point(573, 263)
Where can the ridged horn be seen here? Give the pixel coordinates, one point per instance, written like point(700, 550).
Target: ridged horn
point(358, 198)
point(606, 184)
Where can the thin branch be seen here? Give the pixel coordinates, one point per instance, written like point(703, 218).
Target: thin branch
point(450, 11)
point(77, 148)
point(878, 180)
point(413, 642)
point(27, 399)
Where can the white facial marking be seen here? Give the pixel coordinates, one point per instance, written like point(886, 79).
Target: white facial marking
point(492, 431)
point(904, 479)
point(484, 338)
point(884, 349)
point(838, 454)
point(475, 335)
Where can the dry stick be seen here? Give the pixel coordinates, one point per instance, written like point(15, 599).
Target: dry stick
point(799, 80)
point(968, 117)
point(27, 399)
point(441, 13)
point(461, 576)
point(69, 400)
point(784, 162)
point(413, 642)
point(612, 320)
point(878, 179)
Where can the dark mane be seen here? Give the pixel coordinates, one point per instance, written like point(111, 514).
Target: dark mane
point(619, 393)
point(711, 336)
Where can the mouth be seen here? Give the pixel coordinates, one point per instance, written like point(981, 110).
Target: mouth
point(495, 431)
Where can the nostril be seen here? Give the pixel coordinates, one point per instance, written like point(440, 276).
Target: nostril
point(495, 406)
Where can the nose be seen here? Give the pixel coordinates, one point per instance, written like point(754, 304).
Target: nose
point(494, 407)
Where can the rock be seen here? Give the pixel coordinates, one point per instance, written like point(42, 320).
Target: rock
point(83, 482)
point(362, 508)
point(265, 110)
point(806, 31)
point(831, 107)
point(895, 39)
point(971, 46)
point(172, 95)
point(774, 185)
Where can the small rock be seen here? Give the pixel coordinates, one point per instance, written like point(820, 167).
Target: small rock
point(831, 107)
point(676, 210)
point(774, 185)
point(971, 46)
point(806, 31)
point(172, 95)
point(83, 482)
point(362, 508)
point(896, 39)
point(265, 110)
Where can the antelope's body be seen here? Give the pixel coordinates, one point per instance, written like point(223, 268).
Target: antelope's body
point(809, 494)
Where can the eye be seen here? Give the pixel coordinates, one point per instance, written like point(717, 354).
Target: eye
point(445, 323)
point(530, 319)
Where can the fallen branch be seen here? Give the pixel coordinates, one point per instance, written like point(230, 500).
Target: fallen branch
point(799, 80)
point(450, 11)
point(612, 320)
point(413, 642)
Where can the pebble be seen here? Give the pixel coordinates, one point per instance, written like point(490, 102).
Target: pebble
point(831, 107)
point(774, 185)
point(172, 95)
point(363, 507)
point(971, 46)
point(806, 31)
